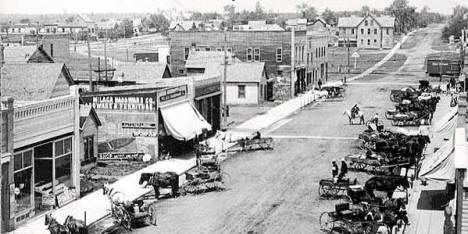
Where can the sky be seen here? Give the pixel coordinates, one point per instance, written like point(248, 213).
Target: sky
point(148, 6)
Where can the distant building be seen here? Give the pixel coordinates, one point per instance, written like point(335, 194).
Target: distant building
point(271, 47)
point(260, 25)
point(141, 73)
point(185, 25)
point(89, 135)
point(26, 54)
point(366, 32)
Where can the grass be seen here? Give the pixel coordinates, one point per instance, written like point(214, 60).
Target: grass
point(338, 59)
point(440, 45)
point(395, 62)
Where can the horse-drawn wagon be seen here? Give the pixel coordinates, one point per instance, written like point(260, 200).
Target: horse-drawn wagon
point(334, 187)
point(336, 91)
point(411, 119)
point(139, 211)
point(266, 143)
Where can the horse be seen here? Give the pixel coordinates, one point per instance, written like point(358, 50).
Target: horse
point(359, 116)
point(161, 180)
point(75, 226)
point(55, 227)
point(385, 183)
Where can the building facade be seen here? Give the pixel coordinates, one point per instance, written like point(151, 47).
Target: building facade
point(369, 32)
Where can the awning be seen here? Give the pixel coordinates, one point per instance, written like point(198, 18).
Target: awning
point(183, 121)
point(440, 165)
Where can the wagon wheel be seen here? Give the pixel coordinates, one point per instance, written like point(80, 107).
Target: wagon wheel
point(394, 122)
point(346, 199)
point(327, 221)
point(361, 166)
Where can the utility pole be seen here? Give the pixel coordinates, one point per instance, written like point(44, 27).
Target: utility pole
point(105, 58)
point(293, 58)
point(225, 80)
point(91, 87)
point(347, 45)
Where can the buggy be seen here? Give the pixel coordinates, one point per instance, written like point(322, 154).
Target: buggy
point(257, 144)
point(336, 92)
point(411, 119)
point(140, 211)
point(333, 188)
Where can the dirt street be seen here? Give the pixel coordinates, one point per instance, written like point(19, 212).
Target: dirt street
point(276, 191)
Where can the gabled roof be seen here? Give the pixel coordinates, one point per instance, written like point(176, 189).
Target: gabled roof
point(199, 59)
point(386, 21)
point(142, 73)
point(23, 54)
point(85, 112)
point(239, 71)
point(32, 81)
point(349, 22)
point(184, 24)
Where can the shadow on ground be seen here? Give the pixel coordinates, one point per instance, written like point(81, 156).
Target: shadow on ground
point(432, 200)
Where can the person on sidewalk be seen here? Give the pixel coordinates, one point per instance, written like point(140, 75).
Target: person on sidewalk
point(319, 83)
point(334, 169)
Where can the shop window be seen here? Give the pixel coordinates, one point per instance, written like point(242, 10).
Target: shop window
point(257, 54)
point(249, 55)
point(43, 151)
point(241, 91)
point(23, 194)
point(279, 54)
point(43, 172)
point(63, 168)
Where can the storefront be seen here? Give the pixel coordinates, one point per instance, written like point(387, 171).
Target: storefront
point(207, 100)
point(45, 158)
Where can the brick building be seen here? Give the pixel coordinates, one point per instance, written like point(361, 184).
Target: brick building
point(272, 48)
point(366, 32)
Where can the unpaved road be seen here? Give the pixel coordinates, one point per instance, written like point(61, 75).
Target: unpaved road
point(276, 191)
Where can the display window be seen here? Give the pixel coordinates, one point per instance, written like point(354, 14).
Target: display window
point(23, 171)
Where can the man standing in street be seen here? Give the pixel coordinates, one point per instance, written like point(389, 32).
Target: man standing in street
point(334, 169)
point(319, 83)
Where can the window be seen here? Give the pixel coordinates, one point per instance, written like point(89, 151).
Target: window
point(186, 52)
point(387, 31)
point(375, 40)
point(219, 49)
point(316, 53)
point(352, 31)
point(249, 55)
point(368, 31)
point(362, 42)
point(302, 54)
point(89, 156)
point(310, 44)
point(257, 54)
point(197, 49)
point(23, 166)
point(366, 23)
point(279, 55)
point(375, 31)
point(362, 31)
point(207, 49)
point(308, 58)
point(368, 41)
point(241, 91)
point(229, 50)
point(372, 23)
point(181, 71)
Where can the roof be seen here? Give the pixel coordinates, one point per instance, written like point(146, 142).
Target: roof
point(32, 81)
point(199, 59)
point(85, 112)
point(240, 71)
point(142, 72)
point(22, 54)
point(354, 21)
point(185, 24)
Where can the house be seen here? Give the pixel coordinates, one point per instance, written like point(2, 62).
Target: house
point(35, 81)
point(297, 24)
point(137, 24)
point(89, 124)
point(185, 25)
point(76, 24)
point(26, 54)
point(141, 73)
point(369, 31)
point(246, 82)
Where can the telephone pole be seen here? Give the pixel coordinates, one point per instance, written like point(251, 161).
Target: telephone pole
point(105, 57)
point(91, 86)
point(347, 45)
point(225, 80)
point(293, 58)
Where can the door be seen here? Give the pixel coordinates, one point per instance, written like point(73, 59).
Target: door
point(5, 190)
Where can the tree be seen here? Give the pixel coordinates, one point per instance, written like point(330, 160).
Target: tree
point(125, 28)
point(456, 23)
point(365, 10)
point(25, 21)
point(404, 14)
point(159, 22)
point(259, 11)
point(329, 16)
point(306, 11)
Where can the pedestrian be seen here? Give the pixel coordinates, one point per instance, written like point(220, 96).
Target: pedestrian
point(344, 169)
point(319, 82)
point(334, 169)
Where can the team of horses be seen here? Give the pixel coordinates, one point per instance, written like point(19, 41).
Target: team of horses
point(70, 226)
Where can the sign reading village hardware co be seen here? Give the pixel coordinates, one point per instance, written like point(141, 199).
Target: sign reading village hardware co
point(120, 156)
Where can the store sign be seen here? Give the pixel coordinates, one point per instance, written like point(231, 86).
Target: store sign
point(172, 93)
point(139, 125)
point(120, 156)
point(136, 103)
point(207, 89)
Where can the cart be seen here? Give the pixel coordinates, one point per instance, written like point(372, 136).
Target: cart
point(205, 179)
point(140, 211)
point(336, 92)
point(410, 119)
point(257, 144)
point(332, 188)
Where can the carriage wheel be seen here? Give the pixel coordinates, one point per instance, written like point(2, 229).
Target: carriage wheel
point(151, 218)
point(394, 122)
point(126, 220)
point(327, 222)
point(346, 199)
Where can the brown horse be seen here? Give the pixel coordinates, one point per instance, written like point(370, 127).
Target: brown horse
point(54, 226)
point(75, 226)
